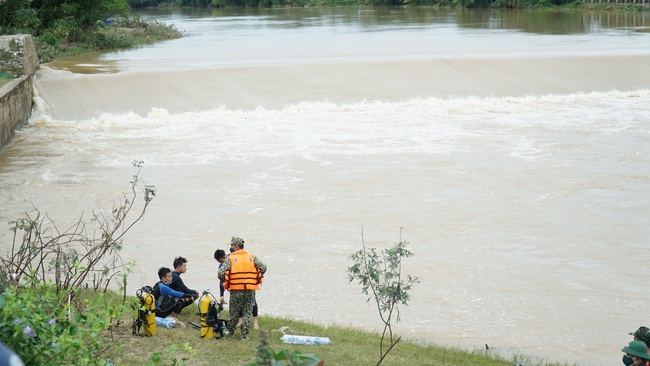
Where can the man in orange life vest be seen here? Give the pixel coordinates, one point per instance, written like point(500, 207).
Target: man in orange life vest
point(241, 273)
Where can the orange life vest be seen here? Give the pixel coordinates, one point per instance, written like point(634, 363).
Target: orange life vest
point(242, 275)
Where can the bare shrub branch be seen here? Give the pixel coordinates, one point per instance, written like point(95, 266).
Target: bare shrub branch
point(85, 254)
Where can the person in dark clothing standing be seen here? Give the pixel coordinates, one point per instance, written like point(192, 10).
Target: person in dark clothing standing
point(220, 256)
point(180, 267)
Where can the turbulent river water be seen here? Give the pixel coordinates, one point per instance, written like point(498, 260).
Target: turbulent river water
point(495, 143)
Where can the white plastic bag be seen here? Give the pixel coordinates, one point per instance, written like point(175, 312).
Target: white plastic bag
point(300, 339)
point(165, 322)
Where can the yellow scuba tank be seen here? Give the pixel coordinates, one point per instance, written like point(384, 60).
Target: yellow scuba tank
point(149, 303)
point(207, 330)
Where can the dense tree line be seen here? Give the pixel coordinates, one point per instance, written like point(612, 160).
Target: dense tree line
point(60, 16)
point(70, 27)
point(66, 17)
point(300, 3)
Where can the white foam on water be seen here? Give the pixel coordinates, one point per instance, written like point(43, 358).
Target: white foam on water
point(525, 128)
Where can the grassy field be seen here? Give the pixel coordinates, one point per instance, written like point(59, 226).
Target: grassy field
point(349, 347)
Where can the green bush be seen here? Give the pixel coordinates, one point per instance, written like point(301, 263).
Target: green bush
point(16, 16)
point(46, 318)
point(35, 17)
point(62, 40)
point(42, 331)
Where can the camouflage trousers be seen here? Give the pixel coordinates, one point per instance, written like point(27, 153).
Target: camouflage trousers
point(241, 302)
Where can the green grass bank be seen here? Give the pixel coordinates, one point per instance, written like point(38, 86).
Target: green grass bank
point(349, 347)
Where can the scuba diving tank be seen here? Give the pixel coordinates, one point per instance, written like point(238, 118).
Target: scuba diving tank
point(207, 330)
point(149, 303)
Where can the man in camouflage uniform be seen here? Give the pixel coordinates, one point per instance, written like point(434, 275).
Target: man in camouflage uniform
point(241, 274)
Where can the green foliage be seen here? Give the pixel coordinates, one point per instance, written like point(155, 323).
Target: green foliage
point(84, 13)
point(382, 276)
point(17, 16)
point(195, 3)
point(142, 3)
point(43, 332)
point(62, 40)
point(169, 3)
point(266, 357)
point(46, 318)
point(66, 28)
point(37, 16)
